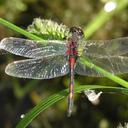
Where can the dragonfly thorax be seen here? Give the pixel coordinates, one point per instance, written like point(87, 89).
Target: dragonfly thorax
point(76, 34)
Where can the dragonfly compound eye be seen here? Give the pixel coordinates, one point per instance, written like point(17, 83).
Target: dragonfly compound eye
point(77, 31)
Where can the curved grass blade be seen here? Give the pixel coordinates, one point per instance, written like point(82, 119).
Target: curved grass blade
point(43, 105)
point(112, 77)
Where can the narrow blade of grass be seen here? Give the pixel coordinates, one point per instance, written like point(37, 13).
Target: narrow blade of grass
point(19, 30)
point(103, 18)
point(104, 72)
point(43, 105)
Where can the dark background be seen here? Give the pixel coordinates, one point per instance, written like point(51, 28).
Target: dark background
point(18, 96)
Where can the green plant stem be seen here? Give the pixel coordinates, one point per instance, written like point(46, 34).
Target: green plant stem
point(104, 72)
point(103, 18)
point(19, 30)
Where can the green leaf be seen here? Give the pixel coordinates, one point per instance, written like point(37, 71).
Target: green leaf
point(43, 105)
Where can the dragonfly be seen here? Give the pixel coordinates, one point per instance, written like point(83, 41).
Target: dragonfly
point(49, 59)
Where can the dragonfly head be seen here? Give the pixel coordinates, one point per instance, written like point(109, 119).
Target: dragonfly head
point(76, 32)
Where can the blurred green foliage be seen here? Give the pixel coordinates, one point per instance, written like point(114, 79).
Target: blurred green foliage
point(17, 96)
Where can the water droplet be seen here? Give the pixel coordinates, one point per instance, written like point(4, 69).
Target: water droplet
point(110, 6)
point(22, 116)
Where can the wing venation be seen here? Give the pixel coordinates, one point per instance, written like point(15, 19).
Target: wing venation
point(45, 68)
point(33, 49)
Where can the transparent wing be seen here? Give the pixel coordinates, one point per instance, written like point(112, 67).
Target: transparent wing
point(104, 48)
point(115, 65)
point(33, 49)
point(46, 68)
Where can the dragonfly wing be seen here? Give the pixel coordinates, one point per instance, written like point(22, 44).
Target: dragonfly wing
point(114, 65)
point(45, 68)
point(33, 49)
point(104, 48)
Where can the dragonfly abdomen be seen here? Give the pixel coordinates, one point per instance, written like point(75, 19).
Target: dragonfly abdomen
point(72, 61)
